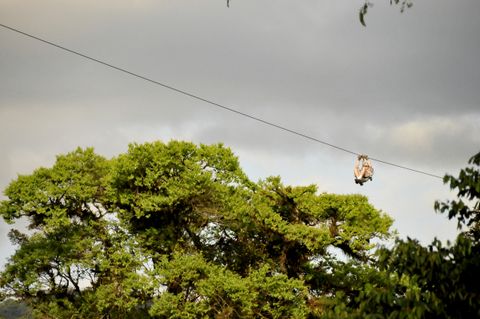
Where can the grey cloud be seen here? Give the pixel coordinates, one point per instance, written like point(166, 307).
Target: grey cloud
point(306, 64)
point(440, 143)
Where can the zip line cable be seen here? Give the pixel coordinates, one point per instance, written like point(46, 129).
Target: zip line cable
point(211, 102)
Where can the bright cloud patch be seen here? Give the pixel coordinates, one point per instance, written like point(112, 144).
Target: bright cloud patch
point(440, 140)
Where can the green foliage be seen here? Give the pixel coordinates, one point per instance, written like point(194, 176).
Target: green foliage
point(194, 288)
point(447, 277)
point(177, 230)
point(167, 193)
point(467, 207)
point(53, 198)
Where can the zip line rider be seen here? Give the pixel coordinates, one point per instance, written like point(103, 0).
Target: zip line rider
point(362, 169)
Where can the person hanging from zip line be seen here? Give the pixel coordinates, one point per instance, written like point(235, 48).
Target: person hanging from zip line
point(362, 169)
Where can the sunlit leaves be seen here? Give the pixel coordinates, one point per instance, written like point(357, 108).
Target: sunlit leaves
point(177, 230)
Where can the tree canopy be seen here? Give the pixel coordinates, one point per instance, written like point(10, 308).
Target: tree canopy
point(177, 230)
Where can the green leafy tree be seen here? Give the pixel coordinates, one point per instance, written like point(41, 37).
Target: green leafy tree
point(177, 230)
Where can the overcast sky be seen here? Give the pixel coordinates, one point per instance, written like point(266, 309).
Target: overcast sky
point(405, 89)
